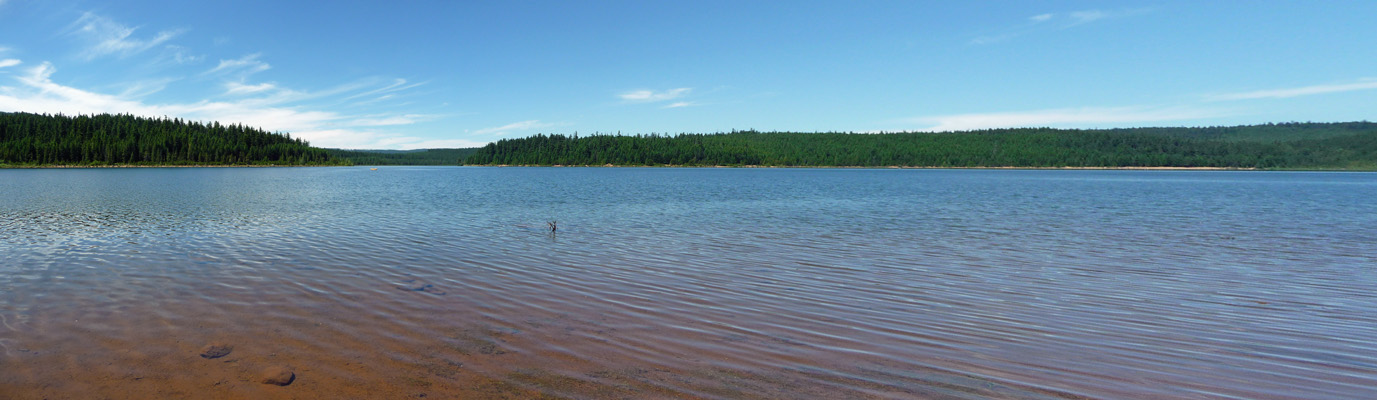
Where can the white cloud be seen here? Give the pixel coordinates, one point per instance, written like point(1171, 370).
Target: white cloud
point(515, 126)
point(141, 88)
point(39, 94)
point(444, 143)
point(1065, 117)
point(396, 86)
point(1053, 21)
point(1366, 84)
point(411, 143)
point(281, 96)
point(1081, 17)
point(9, 63)
point(181, 55)
point(407, 119)
point(681, 104)
point(109, 37)
point(244, 66)
point(241, 88)
point(343, 138)
point(1088, 16)
point(649, 96)
point(36, 92)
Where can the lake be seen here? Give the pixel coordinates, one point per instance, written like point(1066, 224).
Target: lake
point(445, 282)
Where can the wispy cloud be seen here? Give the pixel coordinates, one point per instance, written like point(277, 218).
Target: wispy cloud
point(515, 127)
point(680, 104)
point(144, 87)
point(407, 119)
point(243, 66)
point(181, 55)
point(1064, 117)
point(108, 37)
point(1365, 84)
point(239, 70)
point(36, 91)
point(1055, 21)
point(396, 86)
point(419, 143)
point(650, 96)
point(443, 143)
point(9, 62)
point(242, 88)
point(1081, 17)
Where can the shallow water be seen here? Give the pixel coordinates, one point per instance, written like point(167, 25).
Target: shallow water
point(714, 283)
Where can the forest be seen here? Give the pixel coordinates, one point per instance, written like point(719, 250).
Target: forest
point(113, 140)
point(1347, 146)
point(106, 140)
point(404, 157)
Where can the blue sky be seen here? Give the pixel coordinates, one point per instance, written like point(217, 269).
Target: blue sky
point(463, 73)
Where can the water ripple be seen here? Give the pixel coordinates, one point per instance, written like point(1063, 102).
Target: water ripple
point(689, 283)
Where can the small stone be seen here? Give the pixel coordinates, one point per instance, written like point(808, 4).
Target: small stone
point(415, 287)
point(278, 375)
point(216, 350)
point(421, 287)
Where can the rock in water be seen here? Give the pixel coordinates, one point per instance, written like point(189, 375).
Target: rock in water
point(421, 287)
point(278, 375)
point(415, 287)
point(216, 350)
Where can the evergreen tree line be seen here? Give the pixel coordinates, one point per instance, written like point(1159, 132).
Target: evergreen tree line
point(404, 157)
point(40, 139)
point(1271, 146)
point(35, 139)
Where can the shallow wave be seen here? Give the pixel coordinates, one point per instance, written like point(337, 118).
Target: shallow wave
point(689, 283)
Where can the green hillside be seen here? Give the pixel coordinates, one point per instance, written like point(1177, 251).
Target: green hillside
point(1351, 146)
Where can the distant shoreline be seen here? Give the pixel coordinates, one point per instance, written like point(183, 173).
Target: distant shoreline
point(695, 166)
point(5, 166)
point(886, 167)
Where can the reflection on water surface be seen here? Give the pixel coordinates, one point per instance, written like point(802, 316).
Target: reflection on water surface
point(735, 283)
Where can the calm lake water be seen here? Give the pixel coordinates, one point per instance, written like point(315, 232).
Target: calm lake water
point(665, 283)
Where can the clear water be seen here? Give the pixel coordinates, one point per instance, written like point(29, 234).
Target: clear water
point(716, 283)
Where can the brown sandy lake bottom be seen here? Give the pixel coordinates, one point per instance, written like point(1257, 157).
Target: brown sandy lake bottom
point(687, 283)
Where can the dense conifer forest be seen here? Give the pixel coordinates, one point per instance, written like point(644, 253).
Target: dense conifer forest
point(104, 140)
point(404, 157)
point(1272, 146)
